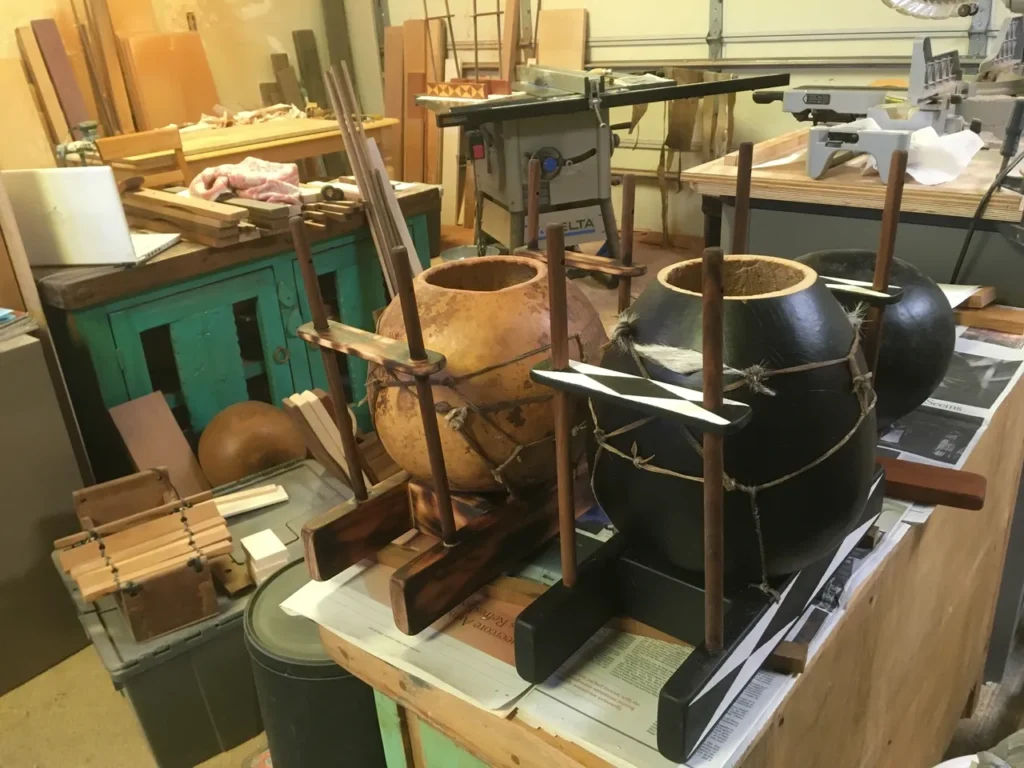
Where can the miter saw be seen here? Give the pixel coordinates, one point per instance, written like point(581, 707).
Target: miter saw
point(937, 95)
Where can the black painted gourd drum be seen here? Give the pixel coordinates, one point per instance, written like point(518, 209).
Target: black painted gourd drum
point(814, 425)
point(918, 332)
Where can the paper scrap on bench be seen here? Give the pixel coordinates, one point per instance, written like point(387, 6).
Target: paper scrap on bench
point(958, 294)
point(471, 657)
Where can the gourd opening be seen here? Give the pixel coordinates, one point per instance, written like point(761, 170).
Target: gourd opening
point(743, 277)
point(485, 274)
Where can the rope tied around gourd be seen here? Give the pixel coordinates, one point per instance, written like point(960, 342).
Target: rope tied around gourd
point(458, 417)
point(688, 361)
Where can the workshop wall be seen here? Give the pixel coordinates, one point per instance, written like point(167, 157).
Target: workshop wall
point(659, 31)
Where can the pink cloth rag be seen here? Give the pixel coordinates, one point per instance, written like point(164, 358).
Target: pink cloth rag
point(252, 178)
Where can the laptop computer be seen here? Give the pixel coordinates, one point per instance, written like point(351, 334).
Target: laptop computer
point(73, 217)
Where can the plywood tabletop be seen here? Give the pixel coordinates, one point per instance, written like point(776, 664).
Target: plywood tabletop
point(846, 185)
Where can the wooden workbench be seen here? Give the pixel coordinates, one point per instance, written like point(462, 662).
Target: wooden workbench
point(886, 688)
point(846, 185)
point(72, 288)
point(287, 140)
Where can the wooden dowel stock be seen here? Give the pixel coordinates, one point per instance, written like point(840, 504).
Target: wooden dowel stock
point(628, 205)
point(741, 218)
point(714, 536)
point(886, 249)
point(563, 427)
point(533, 203)
point(330, 359)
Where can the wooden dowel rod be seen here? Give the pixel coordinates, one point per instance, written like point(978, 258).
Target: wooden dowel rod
point(628, 204)
point(330, 358)
point(424, 392)
point(533, 203)
point(883, 260)
point(714, 535)
point(741, 219)
point(563, 427)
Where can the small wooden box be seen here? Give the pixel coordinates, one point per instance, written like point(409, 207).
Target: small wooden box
point(169, 600)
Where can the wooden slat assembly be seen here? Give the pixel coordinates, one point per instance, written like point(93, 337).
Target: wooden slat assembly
point(390, 353)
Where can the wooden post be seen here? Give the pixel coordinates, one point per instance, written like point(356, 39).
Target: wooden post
point(883, 261)
point(628, 204)
point(330, 359)
point(533, 204)
point(714, 469)
point(424, 392)
point(741, 220)
point(563, 427)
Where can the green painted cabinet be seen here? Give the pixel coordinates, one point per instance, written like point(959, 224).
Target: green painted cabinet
point(227, 336)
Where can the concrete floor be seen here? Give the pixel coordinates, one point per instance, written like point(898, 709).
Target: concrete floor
point(71, 716)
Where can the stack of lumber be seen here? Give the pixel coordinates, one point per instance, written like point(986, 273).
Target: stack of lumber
point(121, 553)
point(309, 411)
point(327, 212)
point(269, 216)
point(212, 224)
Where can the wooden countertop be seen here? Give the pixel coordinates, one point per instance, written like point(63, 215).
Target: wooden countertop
point(887, 686)
point(845, 185)
point(284, 141)
point(71, 288)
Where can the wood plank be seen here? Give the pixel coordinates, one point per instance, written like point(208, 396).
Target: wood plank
point(469, 198)
point(510, 41)
point(308, 58)
point(171, 76)
point(157, 201)
point(132, 17)
point(389, 353)
point(414, 62)
point(442, 577)
point(981, 298)
point(931, 485)
point(10, 293)
point(270, 94)
point(353, 531)
point(59, 68)
point(154, 439)
point(186, 219)
point(562, 38)
point(123, 496)
point(367, 73)
point(71, 33)
point(432, 143)
point(773, 149)
point(259, 209)
point(996, 317)
point(26, 142)
point(289, 85)
point(315, 446)
point(337, 30)
point(203, 238)
point(98, 12)
point(394, 95)
point(40, 78)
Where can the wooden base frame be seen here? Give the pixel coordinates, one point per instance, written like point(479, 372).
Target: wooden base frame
point(624, 580)
point(492, 535)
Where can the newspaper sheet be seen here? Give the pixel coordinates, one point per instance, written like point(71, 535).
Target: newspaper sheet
point(468, 653)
